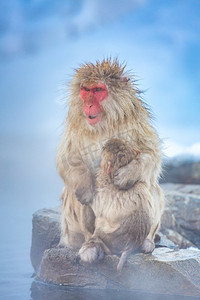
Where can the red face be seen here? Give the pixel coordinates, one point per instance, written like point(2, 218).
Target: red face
point(92, 96)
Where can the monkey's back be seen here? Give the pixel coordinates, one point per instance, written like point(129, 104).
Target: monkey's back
point(123, 220)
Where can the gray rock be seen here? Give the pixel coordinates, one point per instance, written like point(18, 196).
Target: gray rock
point(162, 240)
point(193, 189)
point(182, 211)
point(45, 233)
point(60, 266)
point(177, 239)
point(181, 171)
point(182, 215)
point(165, 271)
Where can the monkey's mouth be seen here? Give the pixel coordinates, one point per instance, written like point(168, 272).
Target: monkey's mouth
point(93, 119)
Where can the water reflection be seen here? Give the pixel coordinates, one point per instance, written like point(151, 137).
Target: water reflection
point(41, 291)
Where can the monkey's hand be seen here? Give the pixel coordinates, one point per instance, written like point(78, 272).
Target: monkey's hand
point(84, 194)
point(126, 176)
point(83, 187)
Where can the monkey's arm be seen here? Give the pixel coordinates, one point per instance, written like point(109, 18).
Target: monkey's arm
point(145, 169)
point(76, 175)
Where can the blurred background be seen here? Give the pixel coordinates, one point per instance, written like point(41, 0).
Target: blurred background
point(41, 42)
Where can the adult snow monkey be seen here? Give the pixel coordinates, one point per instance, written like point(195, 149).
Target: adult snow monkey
point(104, 103)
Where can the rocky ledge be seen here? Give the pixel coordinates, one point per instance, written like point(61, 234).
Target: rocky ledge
point(182, 170)
point(168, 270)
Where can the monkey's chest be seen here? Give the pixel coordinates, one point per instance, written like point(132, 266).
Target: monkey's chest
point(91, 156)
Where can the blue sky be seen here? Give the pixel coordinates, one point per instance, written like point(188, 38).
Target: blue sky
point(42, 41)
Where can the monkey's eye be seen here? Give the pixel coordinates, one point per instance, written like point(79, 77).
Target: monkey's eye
point(85, 88)
point(98, 89)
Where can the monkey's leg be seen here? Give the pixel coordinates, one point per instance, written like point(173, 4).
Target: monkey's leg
point(71, 235)
point(148, 245)
point(77, 222)
point(95, 248)
point(158, 197)
point(70, 238)
point(87, 220)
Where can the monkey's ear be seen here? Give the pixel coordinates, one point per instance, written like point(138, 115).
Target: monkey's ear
point(138, 152)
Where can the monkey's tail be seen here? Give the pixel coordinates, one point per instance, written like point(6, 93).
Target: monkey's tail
point(138, 225)
point(123, 258)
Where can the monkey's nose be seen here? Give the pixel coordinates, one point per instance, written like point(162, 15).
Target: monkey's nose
point(89, 105)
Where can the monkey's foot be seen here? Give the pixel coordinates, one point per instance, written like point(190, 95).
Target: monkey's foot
point(147, 246)
point(91, 251)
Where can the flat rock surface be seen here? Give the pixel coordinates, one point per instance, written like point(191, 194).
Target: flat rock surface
point(165, 271)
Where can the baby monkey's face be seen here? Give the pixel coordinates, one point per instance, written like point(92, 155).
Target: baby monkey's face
point(116, 154)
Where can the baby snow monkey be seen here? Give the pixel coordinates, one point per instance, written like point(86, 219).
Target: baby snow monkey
point(123, 217)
